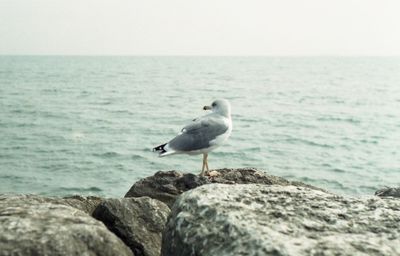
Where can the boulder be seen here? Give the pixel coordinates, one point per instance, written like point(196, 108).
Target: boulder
point(139, 222)
point(167, 186)
point(253, 219)
point(385, 192)
point(30, 225)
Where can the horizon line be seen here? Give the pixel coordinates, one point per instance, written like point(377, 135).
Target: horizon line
point(195, 55)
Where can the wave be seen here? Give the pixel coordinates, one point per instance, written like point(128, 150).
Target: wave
point(338, 170)
point(339, 119)
point(109, 154)
point(309, 142)
point(81, 189)
point(334, 184)
point(137, 157)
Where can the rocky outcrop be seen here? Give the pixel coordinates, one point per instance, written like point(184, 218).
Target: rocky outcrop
point(229, 212)
point(167, 186)
point(253, 219)
point(31, 225)
point(139, 222)
point(385, 192)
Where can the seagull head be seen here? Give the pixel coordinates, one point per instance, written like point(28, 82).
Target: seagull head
point(220, 106)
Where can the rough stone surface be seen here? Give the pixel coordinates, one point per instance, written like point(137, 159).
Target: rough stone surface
point(139, 222)
point(385, 192)
point(86, 204)
point(83, 203)
point(167, 186)
point(33, 226)
point(253, 219)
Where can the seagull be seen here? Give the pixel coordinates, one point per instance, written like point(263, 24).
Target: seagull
point(202, 135)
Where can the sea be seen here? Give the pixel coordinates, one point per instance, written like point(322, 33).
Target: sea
point(87, 124)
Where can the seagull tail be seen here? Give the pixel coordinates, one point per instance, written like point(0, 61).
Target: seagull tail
point(163, 150)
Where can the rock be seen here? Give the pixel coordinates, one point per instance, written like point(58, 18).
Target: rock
point(393, 192)
point(254, 219)
point(86, 204)
point(33, 226)
point(139, 222)
point(167, 186)
point(253, 176)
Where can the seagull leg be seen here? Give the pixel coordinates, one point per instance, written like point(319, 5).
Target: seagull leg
point(202, 168)
point(207, 163)
point(203, 173)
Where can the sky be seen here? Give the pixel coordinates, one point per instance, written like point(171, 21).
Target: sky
point(201, 27)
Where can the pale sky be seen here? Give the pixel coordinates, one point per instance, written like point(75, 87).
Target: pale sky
point(202, 27)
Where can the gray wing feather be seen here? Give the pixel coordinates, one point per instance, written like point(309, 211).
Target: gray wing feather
point(198, 134)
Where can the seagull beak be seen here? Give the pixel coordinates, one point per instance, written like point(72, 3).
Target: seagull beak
point(207, 108)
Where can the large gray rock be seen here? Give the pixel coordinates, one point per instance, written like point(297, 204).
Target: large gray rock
point(37, 227)
point(139, 222)
point(253, 219)
point(167, 186)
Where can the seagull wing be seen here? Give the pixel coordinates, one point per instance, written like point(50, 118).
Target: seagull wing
point(199, 133)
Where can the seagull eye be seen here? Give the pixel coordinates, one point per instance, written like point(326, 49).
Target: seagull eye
point(214, 104)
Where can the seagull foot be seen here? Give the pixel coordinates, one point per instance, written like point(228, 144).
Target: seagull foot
point(213, 173)
point(210, 174)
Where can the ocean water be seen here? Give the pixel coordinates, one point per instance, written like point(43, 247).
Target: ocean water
point(86, 125)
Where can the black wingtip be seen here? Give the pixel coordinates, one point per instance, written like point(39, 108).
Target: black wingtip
point(160, 149)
